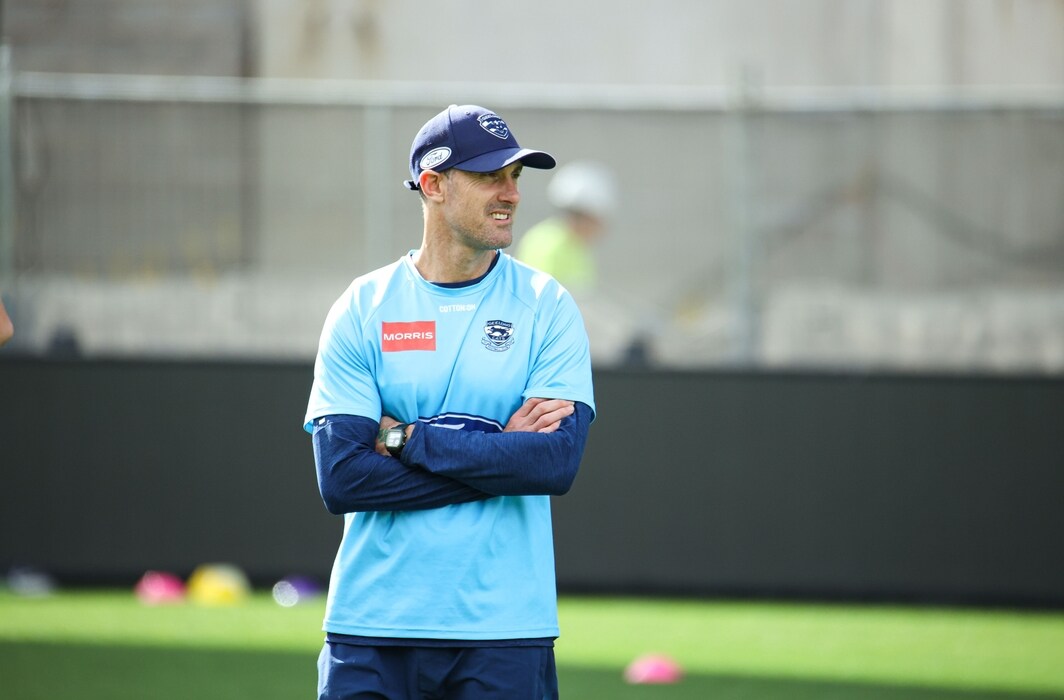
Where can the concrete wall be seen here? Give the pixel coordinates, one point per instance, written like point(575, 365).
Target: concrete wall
point(682, 42)
point(793, 42)
point(204, 37)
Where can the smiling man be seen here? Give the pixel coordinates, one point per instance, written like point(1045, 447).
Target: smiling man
point(452, 397)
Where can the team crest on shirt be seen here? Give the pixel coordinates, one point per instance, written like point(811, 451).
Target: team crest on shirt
point(498, 335)
point(494, 125)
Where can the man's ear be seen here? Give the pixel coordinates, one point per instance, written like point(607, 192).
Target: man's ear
point(431, 183)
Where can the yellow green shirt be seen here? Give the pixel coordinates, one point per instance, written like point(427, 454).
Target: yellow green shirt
point(552, 247)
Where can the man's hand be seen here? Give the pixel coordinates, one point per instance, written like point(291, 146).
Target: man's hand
point(539, 416)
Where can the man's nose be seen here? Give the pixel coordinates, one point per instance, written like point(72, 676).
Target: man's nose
point(510, 193)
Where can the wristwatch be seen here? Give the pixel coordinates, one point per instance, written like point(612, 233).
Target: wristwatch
point(395, 438)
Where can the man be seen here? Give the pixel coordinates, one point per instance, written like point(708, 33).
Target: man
point(452, 397)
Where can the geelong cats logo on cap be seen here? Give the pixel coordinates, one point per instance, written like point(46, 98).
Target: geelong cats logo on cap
point(498, 335)
point(494, 125)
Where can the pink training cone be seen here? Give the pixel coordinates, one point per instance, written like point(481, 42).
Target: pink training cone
point(653, 669)
point(159, 588)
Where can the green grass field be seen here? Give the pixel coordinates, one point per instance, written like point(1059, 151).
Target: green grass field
point(97, 644)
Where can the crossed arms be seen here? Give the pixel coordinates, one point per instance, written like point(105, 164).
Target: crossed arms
point(538, 453)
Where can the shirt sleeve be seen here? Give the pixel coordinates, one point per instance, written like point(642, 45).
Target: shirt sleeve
point(561, 368)
point(504, 464)
point(343, 372)
point(353, 477)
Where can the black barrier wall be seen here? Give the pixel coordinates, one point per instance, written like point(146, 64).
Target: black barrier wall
point(713, 483)
point(113, 468)
point(946, 489)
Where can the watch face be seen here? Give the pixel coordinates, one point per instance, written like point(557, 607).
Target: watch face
point(394, 438)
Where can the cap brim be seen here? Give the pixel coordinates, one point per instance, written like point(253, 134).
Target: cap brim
point(496, 160)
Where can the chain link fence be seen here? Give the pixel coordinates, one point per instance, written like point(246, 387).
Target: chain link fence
point(174, 216)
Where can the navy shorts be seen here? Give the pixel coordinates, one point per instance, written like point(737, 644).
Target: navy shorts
point(355, 672)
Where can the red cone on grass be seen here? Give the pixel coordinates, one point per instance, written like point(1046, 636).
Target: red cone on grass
point(159, 588)
point(653, 669)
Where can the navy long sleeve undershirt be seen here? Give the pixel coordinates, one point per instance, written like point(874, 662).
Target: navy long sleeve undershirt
point(442, 467)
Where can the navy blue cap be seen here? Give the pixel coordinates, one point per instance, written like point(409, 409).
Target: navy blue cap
point(469, 138)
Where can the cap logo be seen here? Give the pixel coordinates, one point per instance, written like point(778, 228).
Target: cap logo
point(434, 157)
point(494, 125)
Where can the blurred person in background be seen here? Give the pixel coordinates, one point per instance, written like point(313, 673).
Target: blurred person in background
point(7, 329)
point(452, 397)
point(584, 193)
point(584, 196)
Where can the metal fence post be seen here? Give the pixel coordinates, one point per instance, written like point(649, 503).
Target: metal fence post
point(376, 212)
point(7, 169)
point(738, 157)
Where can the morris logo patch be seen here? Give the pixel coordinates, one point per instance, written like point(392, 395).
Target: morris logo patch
point(498, 335)
point(494, 125)
point(399, 336)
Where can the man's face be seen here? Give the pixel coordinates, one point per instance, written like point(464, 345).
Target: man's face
point(479, 207)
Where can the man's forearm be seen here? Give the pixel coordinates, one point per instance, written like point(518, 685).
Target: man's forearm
point(504, 464)
point(353, 477)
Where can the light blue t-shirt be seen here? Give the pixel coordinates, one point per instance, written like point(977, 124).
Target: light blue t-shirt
point(459, 358)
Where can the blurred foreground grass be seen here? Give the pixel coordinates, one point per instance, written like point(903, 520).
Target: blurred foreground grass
point(105, 644)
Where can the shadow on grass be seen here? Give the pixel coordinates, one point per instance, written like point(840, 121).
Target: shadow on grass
point(35, 671)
